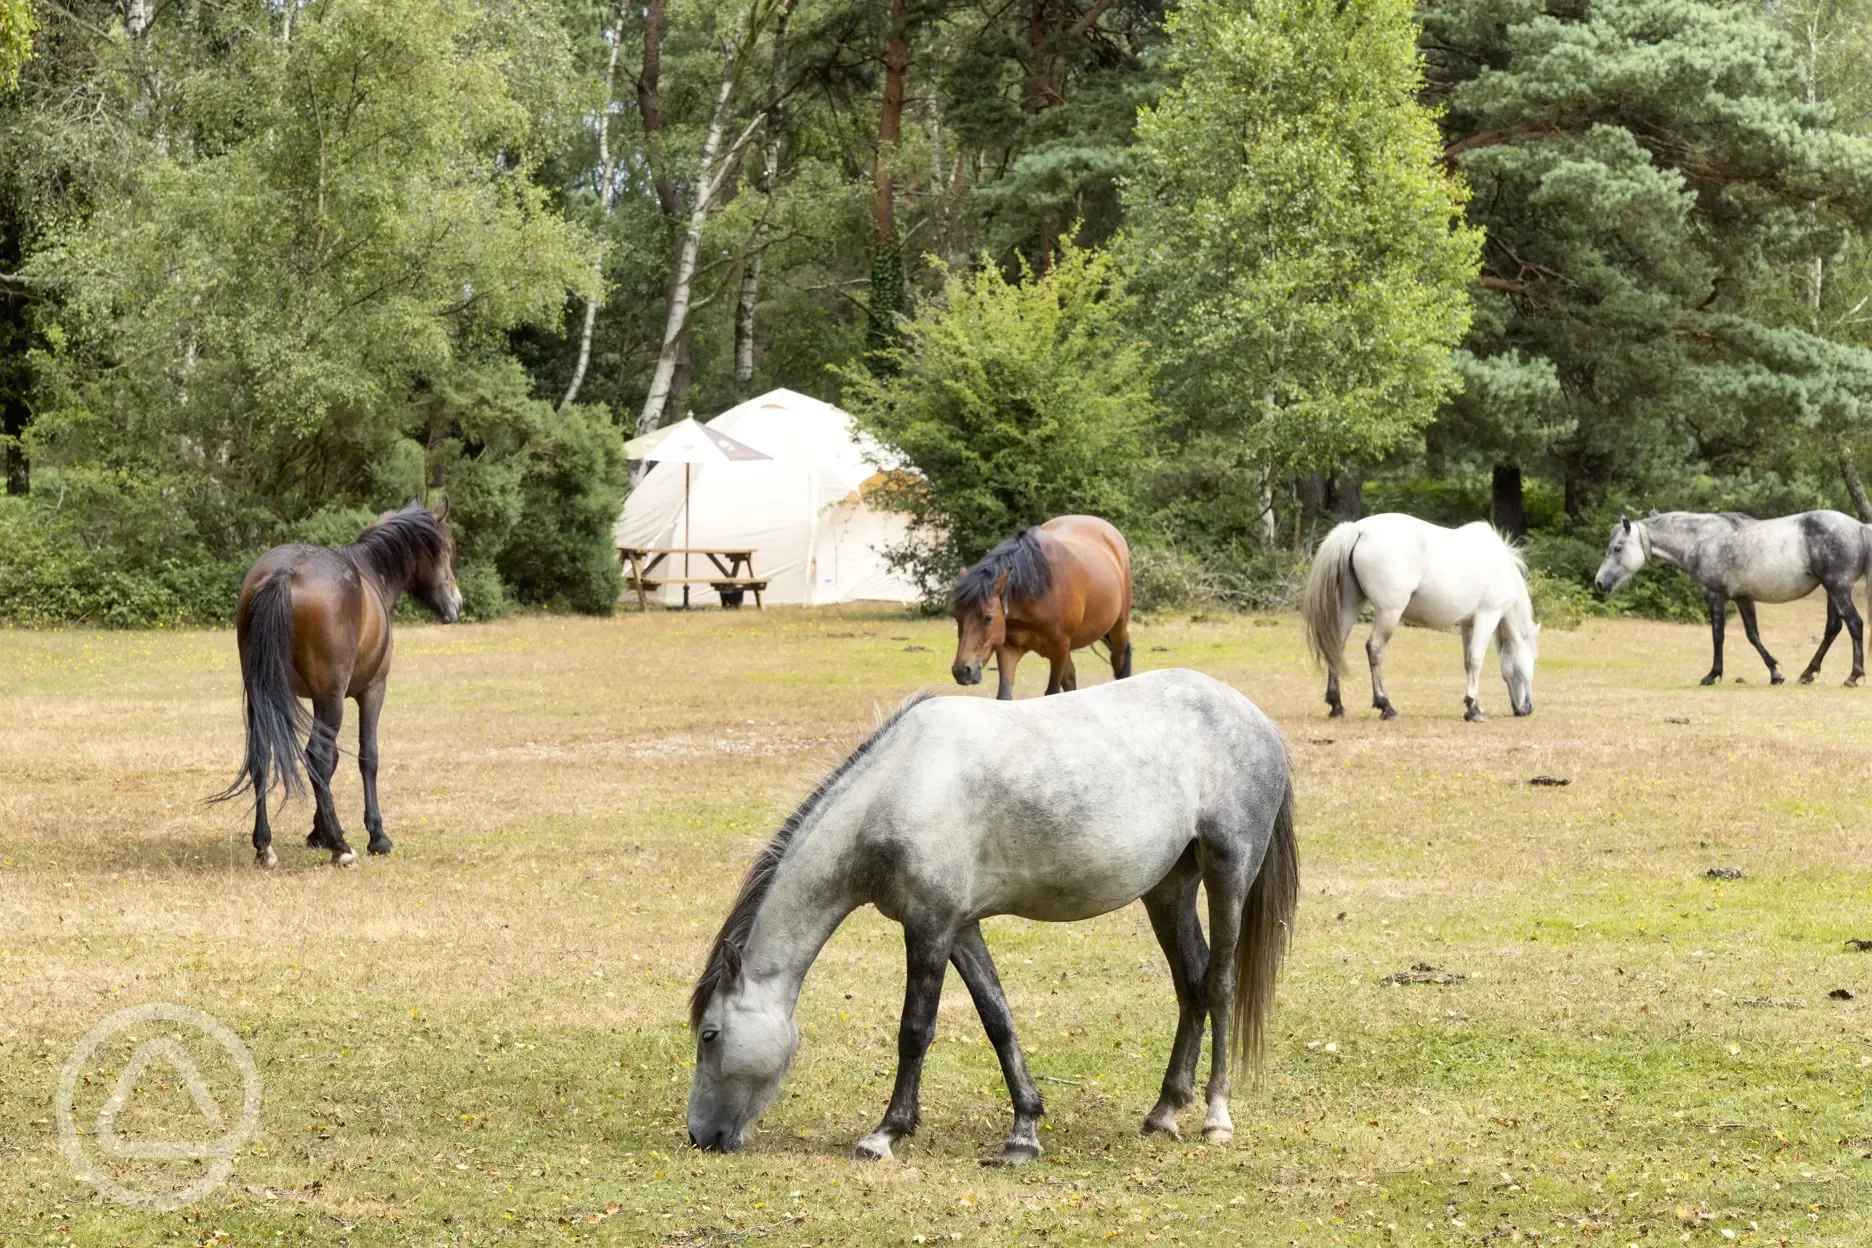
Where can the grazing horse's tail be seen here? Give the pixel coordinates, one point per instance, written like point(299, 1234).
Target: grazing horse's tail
point(275, 718)
point(1325, 592)
point(1266, 929)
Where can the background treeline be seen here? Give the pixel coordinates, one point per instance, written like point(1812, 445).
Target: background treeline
point(1225, 271)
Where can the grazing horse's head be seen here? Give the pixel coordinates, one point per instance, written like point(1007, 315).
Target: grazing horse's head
point(1625, 553)
point(981, 626)
point(745, 1041)
point(1518, 654)
point(1017, 570)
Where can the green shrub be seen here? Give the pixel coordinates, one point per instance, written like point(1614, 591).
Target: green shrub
point(1558, 603)
point(1167, 578)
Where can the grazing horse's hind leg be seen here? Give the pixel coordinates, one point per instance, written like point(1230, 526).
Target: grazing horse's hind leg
point(1475, 635)
point(926, 955)
point(1172, 909)
point(1840, 610)
point(1383, 625)
point(1225, 879)
point(321, 763)
point(370, 705)
point(1745, 607)
point(971, 959)
point(1348, 619)
point(1718, 609)
point(1119, 639)
point(264, 857)
point(1856, 631)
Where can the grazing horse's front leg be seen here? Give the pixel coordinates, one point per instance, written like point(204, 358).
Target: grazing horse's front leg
point(1383, 625)
point(926, 957)
point(971, 959)
point(370, 705)
point(1060, 669)
point(1718, 608)
point(1007, 658)
point(1745, 607)
point(1172, 909)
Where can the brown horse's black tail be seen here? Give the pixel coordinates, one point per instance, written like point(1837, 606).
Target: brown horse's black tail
point(1266, 929)
point(275, 719)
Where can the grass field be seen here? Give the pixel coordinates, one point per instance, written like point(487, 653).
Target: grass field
point(481, 1039)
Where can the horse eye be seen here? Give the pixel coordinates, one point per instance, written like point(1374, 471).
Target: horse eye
point(708, 1037)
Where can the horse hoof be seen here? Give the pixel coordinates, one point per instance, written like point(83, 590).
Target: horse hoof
point(1806, 678)
point(1710, 679)
point(380, 847)
point(1387, 713)
point(1218, 1135)
point(1474, 715)
point(1014, 1155)
point(1161, 1126)
point(1852, 681)
point(343, 858)
point(313, 840)
point(1776, 678)
point(266, 859)
point(871, 1148)
point(1337, 712)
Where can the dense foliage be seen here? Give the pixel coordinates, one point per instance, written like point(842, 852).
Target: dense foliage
point(1224, 271)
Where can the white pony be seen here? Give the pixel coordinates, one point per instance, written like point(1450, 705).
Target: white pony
point(1414, 572)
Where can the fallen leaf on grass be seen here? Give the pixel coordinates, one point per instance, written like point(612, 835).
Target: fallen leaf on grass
point(1839, 994)
point(1723, 873)
point(1549, 782)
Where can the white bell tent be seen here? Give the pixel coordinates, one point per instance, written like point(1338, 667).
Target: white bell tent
point(816, 538)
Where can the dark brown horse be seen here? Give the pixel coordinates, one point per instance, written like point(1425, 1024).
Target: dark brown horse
point(314, 622)
point(1053, 589)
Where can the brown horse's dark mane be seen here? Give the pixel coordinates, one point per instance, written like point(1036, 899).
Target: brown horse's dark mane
point(401, 544)
point(724, 957)
point(1029, 575)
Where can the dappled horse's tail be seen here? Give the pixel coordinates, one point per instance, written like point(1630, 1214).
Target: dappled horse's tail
point(1325, 590)
point(275, 718)
point(1266, 929)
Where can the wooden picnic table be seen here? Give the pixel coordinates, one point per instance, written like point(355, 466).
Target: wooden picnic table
point(734, 567)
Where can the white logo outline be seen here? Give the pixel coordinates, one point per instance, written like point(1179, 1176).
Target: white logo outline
point(219, 1153)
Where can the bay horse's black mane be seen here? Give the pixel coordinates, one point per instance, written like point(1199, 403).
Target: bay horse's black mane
point(1029, 575)
point(724, 958)
point(400, 543)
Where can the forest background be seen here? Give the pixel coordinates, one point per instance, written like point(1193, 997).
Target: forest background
point(1224, 271)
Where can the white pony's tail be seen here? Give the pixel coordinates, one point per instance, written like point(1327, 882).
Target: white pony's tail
point(1325, 595)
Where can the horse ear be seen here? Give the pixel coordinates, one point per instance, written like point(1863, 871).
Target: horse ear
point(961, 571)
point(1625, 520)
point(441, 513)
point(1001, 584)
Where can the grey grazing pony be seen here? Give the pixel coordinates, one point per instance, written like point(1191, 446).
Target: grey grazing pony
point(1733, 556)
point(1057, 809)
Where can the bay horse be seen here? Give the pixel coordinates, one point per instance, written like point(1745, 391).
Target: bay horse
point(1051, 589)
point(1057, 810)
point(314, 623)
point(1415, 572)
point(1733, 556)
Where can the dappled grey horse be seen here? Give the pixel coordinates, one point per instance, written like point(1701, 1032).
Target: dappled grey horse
point(1733, 556)
point(1055, 809)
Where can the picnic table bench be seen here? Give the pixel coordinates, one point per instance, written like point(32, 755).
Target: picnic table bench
point(734, 573)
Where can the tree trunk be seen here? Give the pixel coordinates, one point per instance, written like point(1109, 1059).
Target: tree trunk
point(1575, 498)
point(1345, 494)
point(714, 173)
point(1310, 492)
point(606, 169)
point(650, 107)
point(890, 122)
point(1269, 534)
point(14, 418)
point(1856, 488)
point(765, 182)
point(1505, 508)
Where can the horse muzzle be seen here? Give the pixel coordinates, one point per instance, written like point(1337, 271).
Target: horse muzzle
point(967, 673)
point(716, 1139)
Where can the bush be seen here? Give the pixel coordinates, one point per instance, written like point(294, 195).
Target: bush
point(1165, 578)
point(1016, 403)
point(1557, 603)
point(50, 574)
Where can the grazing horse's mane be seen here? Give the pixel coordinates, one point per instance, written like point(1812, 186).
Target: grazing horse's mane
point(401, 542)
point(1736, 519)
point(724, 958)
point(1029, 574)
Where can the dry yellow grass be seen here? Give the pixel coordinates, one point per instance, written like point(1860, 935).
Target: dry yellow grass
point(481, 1039)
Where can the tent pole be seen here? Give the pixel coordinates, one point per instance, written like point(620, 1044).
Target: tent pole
point(685, 535)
